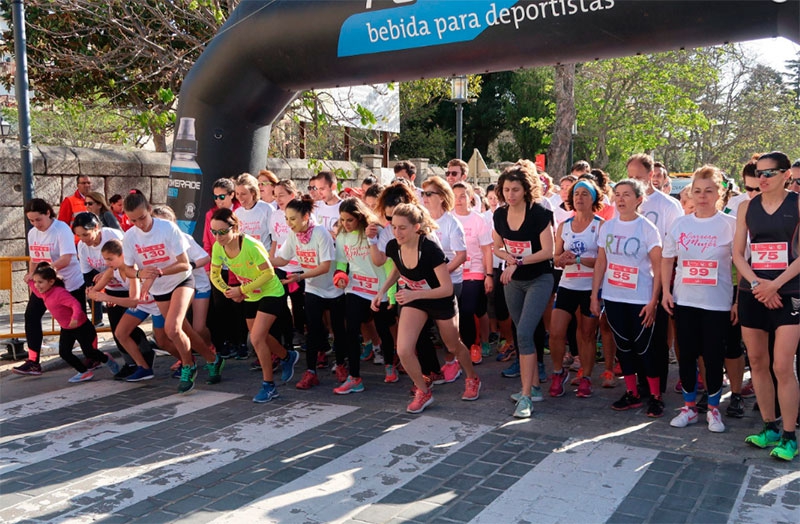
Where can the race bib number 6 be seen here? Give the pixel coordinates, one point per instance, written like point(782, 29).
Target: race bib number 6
point(770, 255)
point(623, 276)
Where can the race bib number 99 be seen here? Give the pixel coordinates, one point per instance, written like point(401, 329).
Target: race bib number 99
point(699, 272)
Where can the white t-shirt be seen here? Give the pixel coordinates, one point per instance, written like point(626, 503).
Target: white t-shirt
point(661, 210)
point(365, 278)
point(318, 250)
point(91, 257)
point(327, 216)
point(255, 221)
point(159, 248)
point(476, 233)
point(195, 253)
point(579, 277)
point(704, 251)
point(629, 275)
point(732, 208)
point(279, 231)
point(50, 245)
point(451, 236)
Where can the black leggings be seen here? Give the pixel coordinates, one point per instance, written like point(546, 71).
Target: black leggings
point(701, 333)
point(115, 314)
point(317, 338)
point(282, 329)
point(95, 308)
point(86, 335)
point(225, 318)
point(633, 340)
point(471, 303)
point(34, 313)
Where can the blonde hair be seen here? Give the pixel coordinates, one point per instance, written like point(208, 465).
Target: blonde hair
point(713, 173)
point(250, 182)
point(443, 188)
point(416, 215)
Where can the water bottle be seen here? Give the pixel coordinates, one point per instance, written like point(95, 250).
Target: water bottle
point(185, 177)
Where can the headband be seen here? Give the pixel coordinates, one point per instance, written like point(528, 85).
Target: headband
point(588, 186)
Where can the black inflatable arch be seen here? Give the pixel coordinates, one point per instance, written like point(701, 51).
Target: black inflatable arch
point(269, 50)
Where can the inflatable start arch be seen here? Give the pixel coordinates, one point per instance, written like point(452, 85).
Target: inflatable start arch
point(270, 50)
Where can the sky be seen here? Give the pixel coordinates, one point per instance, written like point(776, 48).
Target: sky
point(773, 51)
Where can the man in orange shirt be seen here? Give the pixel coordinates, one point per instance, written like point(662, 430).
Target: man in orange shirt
point(76, 203)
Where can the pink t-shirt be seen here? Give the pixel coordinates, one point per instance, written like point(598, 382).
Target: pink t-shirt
point(61, 305)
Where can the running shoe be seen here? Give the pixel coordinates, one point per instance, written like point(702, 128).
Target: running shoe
point(537, 395)
point(542, 372)
point(215, 370)
point(322, 360)
point(378, 358)
point(420, 402)
point(227, 350)
point(82, 377)
point(736, 406)
point(287, 365)
point(685, 417)
point(366, 351)
point(391, 375)
point(140, 374)
point(125, 371)
point(655, 407)
point(557, 385)
point(351, 385)
point(566, 362)
point(29, 367)
point(308, 380)
point(266, 393)
point(584, 388)
point(714, 419)
point(577, 380)
point(486, 349)
point(785, 450)
point(435, 378)
point(626, 402)
point(255, 365)
point(678, 388)
point(576, 364)
point(475, 354)
point(523, 408)
point(472, 388)
point(298, 339)
point(242, 352)
point(188, 374)
point(111, 364)
point(91, 365)
point(506, 352)
point(747, 390)
point(341, 373)
point(609, 380)
point(511, 371)
point(767, 438)
point(451, 371)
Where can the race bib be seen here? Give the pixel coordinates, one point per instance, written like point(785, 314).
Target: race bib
point(577, 271)
point(699, 272)
point(152, 254)
point(364, 284)
point(518, 248)
point(414, 285)
point(623, 276)
point(769, 255)
point(40, 253)
point(307, 259)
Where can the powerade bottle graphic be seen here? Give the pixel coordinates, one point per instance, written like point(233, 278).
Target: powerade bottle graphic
point(185, 177)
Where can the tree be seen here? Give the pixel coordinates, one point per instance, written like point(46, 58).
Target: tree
point(131, 55)
point(557, 153)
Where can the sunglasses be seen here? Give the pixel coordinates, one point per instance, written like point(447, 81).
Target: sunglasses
point(220, 232)
point(266, 184)
point(90, 203)
point(769, 173)
point(430, 193)
point(313, 188)
point(756, 189)
point(220, 197)
point(795, 181)
point(452, 173)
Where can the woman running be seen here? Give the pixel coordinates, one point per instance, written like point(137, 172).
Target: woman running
point(628, 269)
point(425, 291)
point(769, 298)
point(702, 298)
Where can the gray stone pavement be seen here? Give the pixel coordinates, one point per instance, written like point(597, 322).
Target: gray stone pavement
point(116, 452)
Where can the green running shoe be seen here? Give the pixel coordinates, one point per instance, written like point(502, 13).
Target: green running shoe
point(786, 450)
point(766, 438)
point(188, 374)
point(215, 370)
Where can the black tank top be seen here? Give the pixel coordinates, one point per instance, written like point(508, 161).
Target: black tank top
point(781, 226)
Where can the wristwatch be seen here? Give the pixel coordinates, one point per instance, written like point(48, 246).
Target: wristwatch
point(754, 284)
point(518, 261)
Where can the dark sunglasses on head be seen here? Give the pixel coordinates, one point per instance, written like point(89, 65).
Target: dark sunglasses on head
point(756, 189)
point(220, 232)
point(220, 197)
point(429, 193)
point(769, 173)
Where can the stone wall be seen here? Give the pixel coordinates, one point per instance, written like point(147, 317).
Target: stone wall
point(117, 171)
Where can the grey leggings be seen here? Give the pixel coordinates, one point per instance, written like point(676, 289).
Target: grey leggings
point(526, 300)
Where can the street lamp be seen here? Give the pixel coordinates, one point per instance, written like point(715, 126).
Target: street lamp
point(459, 93)
point(5, 128)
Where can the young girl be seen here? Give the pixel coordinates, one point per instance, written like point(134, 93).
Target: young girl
point(426, 291)
point(361, 280)
point(260, 291)
point(159, 248)
point(313, 247)
point(48, 287)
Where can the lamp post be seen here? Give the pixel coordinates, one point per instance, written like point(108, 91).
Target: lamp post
point(5, 128)
point(459, 94)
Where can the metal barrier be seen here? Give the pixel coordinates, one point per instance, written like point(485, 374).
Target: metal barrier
point(7, 284)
